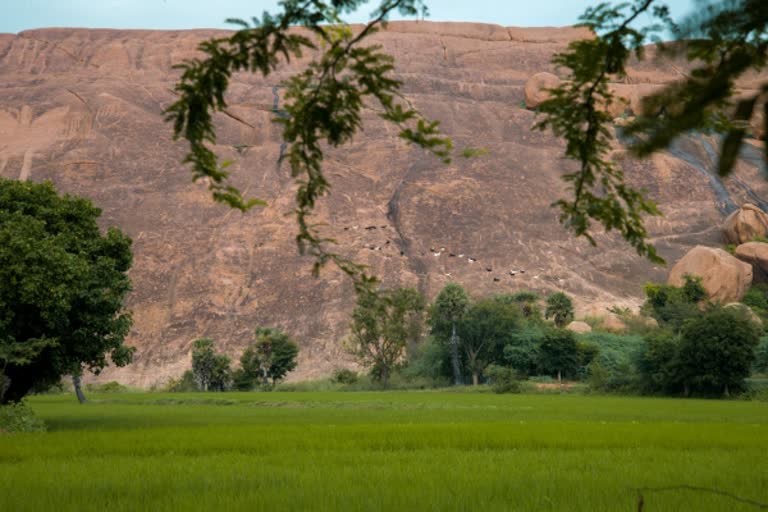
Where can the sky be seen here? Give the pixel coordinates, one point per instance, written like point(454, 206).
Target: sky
point(18, 15)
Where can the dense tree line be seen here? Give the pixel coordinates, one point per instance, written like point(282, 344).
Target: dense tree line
point(696, 348)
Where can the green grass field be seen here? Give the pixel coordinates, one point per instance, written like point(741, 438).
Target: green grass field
point(403, 451)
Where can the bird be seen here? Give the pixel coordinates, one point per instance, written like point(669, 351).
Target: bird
point(436, 254)
point(461, 255)
point(471, 260)
point(451, 255)
point(512, 273)
point(370, 227)
point(488, 269)
point(496, 279)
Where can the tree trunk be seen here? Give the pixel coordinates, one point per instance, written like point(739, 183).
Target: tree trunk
point(475, 378)
point(559, 378)
point(5, 383)
point(686, 390)
point(455, 356)
point(726, 392)
point(385, 377)
point(78, 389)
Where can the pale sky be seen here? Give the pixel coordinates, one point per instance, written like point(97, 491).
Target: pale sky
point(18, 15)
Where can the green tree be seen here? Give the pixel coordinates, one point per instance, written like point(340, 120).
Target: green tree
point(64, 287)
point(717, 351)
point(559, 353)
point(671, 306)
point(211, 370)
point(522, 351)
point(450, 306)
point(484, 331)
point(383, 324)
point(526, 301)
point(658, 364)
point(271, 356)
point(560, 309)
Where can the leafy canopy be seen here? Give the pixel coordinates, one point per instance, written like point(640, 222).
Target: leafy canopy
point(271, 356)
point(63, 292)
point(383, 324)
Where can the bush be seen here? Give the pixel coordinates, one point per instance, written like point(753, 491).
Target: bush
point(597, 377)
point(761, 356)
point(344, 376)
point(18, 417)
point(616, 355)
point(108, 387)
point(184, 384)
point(503, 379)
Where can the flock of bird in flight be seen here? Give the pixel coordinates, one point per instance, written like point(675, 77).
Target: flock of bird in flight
point(437, 252)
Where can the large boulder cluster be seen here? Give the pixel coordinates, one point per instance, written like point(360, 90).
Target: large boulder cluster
point(727, 277)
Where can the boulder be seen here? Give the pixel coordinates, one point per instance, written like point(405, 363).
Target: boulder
point(579, 327)
point(725, 278)
point(612, 323)
point(747, 312)
point(745, 224)
point(756, 254)
point(650, 322)
point(536, 88)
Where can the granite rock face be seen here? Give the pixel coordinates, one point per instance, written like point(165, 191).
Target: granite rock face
point(84, 109)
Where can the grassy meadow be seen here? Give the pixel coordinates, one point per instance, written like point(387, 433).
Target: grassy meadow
point(383, 451)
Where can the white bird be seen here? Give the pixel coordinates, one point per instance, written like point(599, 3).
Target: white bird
point(461, 255)
point(436, 254)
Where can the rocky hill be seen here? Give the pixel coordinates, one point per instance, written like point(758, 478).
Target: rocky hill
point(83, 108)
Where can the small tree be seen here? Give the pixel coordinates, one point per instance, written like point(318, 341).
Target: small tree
point(671, 306)
point(559, 353)
point(271, 356)
point(526, 301)
point(211, 370)
point(658, 363)
point(717, 351)
point(382, 325)
point(484, 331)
point(450, 306)
point(560, 309)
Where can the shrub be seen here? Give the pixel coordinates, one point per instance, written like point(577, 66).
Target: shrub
point(503, 379)
point(184, 384)
point(344, 376)
point(616, 356)
point(107, 387)
point(597, 377)
point(18, 417)
point(761, 356)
